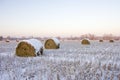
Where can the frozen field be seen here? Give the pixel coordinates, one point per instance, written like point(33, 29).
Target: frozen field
point(73, 61)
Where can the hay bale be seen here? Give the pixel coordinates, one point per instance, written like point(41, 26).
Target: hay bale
point(7, 40)
point(111, 41)
point(101, 40)
point(29, 48)
point(85, 42)
point(52, 43)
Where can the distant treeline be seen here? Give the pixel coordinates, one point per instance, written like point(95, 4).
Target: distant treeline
point(89, 36)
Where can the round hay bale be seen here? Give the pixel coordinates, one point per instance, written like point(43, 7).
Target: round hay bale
point(111, 41)
point(85, 42)
point(29, 48)
point(52, 43)
point(7, 40)
point(101, 40)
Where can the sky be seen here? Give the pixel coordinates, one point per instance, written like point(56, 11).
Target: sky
point(59, 17)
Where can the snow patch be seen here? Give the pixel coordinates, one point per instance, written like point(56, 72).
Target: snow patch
point(56, 40)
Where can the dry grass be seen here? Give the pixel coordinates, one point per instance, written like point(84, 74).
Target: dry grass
point(72, 62)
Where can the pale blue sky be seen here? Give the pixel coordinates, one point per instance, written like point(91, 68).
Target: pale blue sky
point(59, 17)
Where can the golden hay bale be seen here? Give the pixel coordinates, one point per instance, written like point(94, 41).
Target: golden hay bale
point(52, 43)
point(29, 48)
point(101, 40)
point(111, 41)
point(85, 42)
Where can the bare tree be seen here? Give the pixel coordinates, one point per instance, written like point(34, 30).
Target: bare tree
point(107, 36)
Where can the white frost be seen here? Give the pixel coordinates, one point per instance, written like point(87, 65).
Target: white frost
point(73, 61)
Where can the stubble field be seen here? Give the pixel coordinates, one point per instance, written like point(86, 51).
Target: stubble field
point(73, 61)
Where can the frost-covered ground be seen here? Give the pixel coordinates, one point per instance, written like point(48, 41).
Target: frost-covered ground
point(73, 61)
